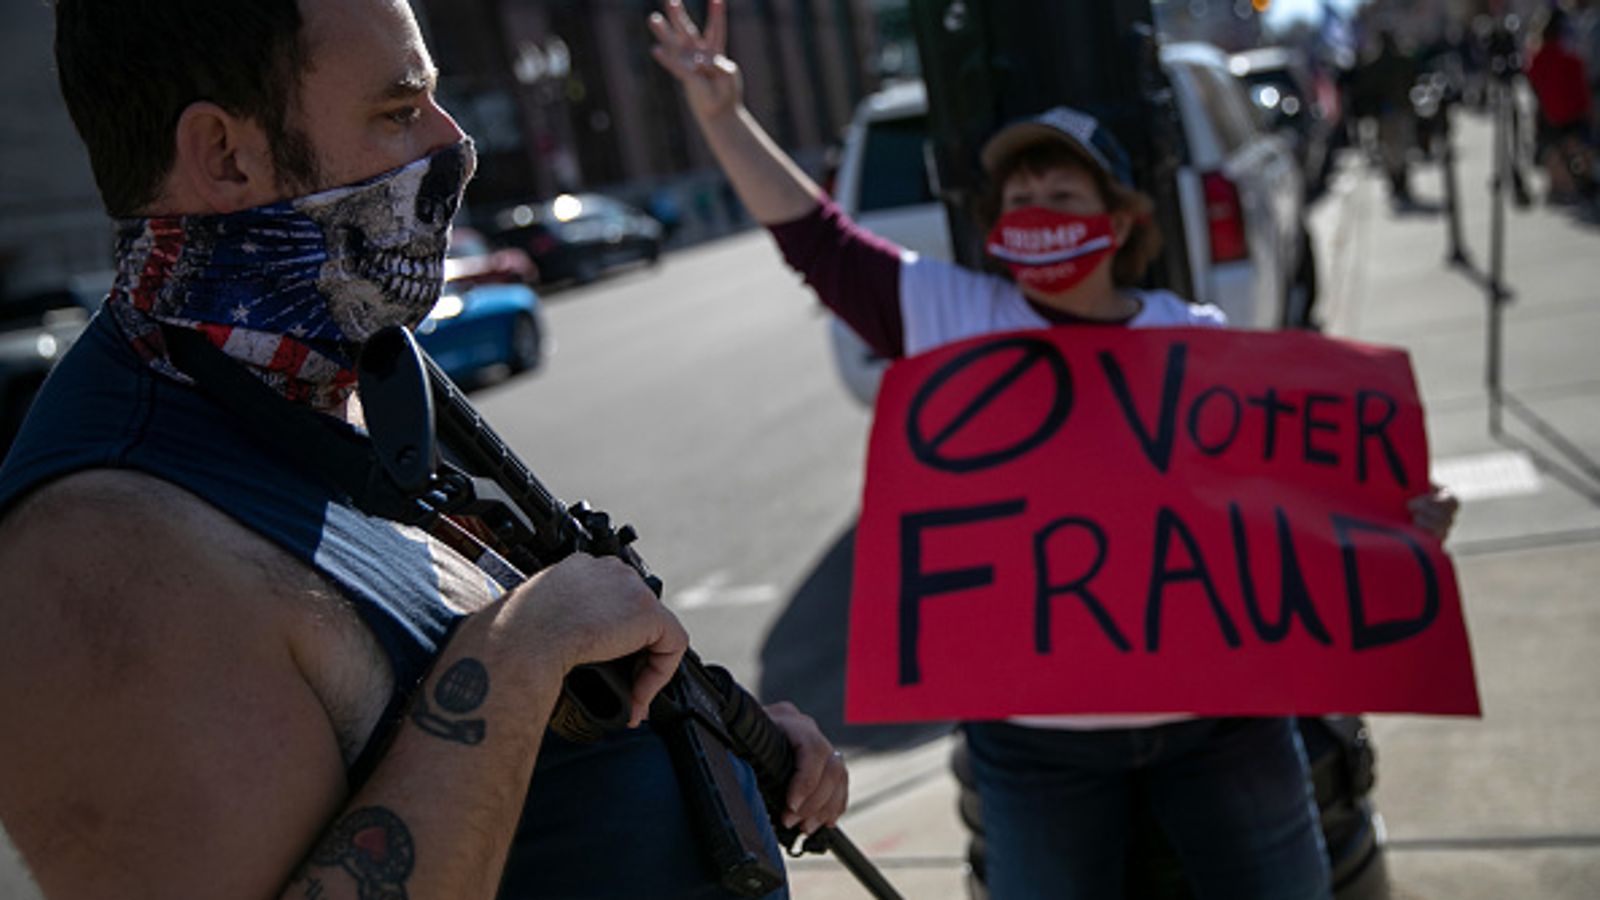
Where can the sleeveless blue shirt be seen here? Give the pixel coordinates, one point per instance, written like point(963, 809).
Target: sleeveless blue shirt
point(104, 408)
point(602, 820)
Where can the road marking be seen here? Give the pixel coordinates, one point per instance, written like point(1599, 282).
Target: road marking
point(715, 590)
point(1549, 841)
point(1506, 473)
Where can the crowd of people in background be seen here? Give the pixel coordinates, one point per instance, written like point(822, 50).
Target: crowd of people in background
point(1561, 82)
point(1555, 54)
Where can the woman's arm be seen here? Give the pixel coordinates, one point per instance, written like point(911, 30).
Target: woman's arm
point(854, 272)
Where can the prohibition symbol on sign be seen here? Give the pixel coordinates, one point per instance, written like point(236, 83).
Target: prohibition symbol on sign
point(947, 427)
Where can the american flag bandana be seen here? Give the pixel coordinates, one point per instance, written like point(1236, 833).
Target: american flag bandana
point(292, 289)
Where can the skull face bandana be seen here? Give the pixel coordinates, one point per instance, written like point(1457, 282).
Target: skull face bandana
point(1051, 251)
point(292, 289)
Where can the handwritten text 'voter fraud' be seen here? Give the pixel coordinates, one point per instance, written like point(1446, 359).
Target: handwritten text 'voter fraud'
point(1177, 520)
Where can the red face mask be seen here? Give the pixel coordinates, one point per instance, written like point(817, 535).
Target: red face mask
point(1051, 251)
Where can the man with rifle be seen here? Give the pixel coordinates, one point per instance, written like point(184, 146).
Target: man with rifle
point(224, 678)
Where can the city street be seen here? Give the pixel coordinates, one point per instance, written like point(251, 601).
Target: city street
point(282, 183)
point(698, 401)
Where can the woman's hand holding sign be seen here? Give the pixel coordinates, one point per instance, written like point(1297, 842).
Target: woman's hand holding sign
point(1435, 512)
point(1258, 537)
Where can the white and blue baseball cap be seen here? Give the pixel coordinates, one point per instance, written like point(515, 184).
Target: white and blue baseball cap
point(1080, 130)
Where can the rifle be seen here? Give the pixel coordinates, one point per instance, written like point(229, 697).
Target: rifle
point(414, 411)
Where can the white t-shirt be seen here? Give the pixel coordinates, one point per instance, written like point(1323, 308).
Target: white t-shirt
point(941, 303)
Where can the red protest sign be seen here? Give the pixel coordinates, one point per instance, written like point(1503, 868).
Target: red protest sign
point(1089, 520)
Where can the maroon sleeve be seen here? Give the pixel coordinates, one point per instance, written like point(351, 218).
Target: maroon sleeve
point(854, 272)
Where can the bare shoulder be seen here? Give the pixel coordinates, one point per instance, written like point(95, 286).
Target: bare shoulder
point(117, 567)
point(124, 547)
point(155, 699)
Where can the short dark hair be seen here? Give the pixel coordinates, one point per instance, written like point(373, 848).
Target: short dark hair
point(1555, 26)
point(1144, 241)
point(129, 68)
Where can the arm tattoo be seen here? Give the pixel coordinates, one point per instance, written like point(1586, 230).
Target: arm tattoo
point(372, 846)
point(460, 690)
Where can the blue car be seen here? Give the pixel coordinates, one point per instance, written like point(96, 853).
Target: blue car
point(487, 318)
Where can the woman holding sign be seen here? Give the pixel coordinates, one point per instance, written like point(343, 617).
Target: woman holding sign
point(1076, 236)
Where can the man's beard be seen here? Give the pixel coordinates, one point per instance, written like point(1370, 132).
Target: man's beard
point(295, 162)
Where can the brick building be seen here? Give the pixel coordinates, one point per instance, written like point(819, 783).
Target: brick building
point(50, 216)
point(1230, 24)
point(563, 94)
point(560, 94)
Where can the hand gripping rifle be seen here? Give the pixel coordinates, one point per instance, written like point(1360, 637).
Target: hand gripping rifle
point(440, 453)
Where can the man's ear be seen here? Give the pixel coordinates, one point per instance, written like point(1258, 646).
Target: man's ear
point(222, 163)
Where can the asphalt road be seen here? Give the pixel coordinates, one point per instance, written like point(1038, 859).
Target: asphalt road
point(698, 401)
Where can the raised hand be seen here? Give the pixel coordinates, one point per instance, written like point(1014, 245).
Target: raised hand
point(711, 81)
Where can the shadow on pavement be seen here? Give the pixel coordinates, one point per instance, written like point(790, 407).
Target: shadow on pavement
point(1586, 215)
point(1585, 482)
point(803, 658)
point(1481, 279)
point(1416, 207)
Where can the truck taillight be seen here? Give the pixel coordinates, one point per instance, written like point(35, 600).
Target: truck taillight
point(1225, 219)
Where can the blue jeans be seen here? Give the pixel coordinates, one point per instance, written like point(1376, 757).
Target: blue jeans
point(1233, 797)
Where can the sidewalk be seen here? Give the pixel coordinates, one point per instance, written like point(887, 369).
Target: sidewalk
point(1508, 806)
point(1503, 807)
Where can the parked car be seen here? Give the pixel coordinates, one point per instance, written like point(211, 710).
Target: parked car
point(38, 322)
point(1292, 99)
point(487, 316)
point(884, 185)
point(471, 256)
point(1240, 189)
point(1242, 195)
point(579, 237)
point(883, 180)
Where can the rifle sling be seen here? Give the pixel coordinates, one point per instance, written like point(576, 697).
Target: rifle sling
point(338, 455)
